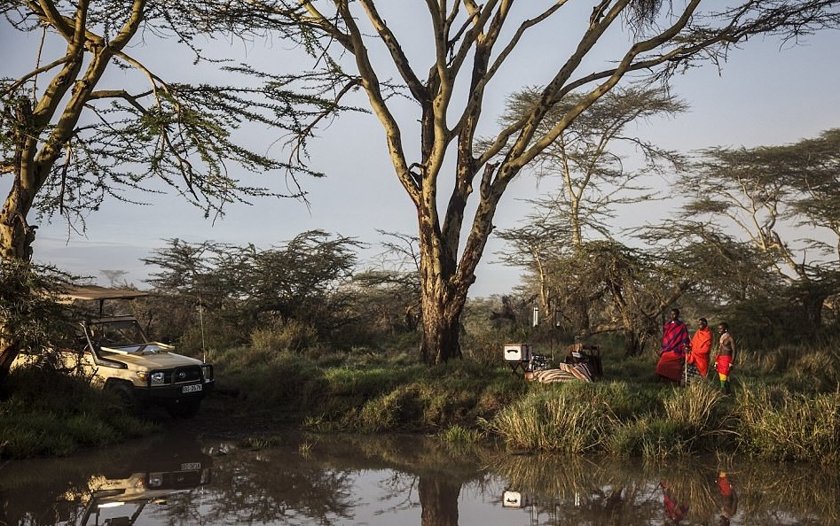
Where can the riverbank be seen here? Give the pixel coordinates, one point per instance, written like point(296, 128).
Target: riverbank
point(784, 406)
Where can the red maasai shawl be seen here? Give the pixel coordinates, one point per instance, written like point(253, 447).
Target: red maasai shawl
point(674, 337)
point(701, 346)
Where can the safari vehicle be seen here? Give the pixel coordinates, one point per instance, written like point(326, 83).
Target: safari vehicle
point(114, 352)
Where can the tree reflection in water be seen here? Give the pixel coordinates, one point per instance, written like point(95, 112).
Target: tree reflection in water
point(405, 480)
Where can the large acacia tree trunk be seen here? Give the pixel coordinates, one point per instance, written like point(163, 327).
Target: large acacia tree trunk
point(441, 322)
point(442, 299)
point(16, 235)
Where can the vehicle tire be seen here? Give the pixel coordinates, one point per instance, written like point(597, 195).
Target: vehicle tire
point(124, 393)
point(184, 408)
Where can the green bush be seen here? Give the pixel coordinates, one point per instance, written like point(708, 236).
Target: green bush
point(567, 418)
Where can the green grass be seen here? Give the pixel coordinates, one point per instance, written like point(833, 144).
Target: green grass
point(53, 414)
point(629, 413)
point(785, 405)
point(364, 392)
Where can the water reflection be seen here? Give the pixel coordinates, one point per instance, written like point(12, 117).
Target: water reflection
point(400, 480)
point(715, 491)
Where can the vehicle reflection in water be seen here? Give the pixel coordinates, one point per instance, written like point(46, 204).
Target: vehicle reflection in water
point(119, 487)
point(400, 480)
point(122, 502)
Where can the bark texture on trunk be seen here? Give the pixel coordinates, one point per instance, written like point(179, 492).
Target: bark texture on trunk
point(16, 237)
point(441, 329)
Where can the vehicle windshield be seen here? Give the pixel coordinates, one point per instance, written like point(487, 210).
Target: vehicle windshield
point(117, 333)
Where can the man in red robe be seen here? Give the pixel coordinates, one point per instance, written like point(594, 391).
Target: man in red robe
point(675, 342)
point(701, 347)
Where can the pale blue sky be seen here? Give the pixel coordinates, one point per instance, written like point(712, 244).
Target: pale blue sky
point(765, 94)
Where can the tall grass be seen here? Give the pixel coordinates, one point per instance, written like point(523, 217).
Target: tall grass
point(779, 425)
point(560, 418)
point(630, 413)
point(763, 422)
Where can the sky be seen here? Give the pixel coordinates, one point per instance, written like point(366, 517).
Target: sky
point(767, 93)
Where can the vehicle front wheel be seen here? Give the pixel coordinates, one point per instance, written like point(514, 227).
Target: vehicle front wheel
point(184, 408)
point(124, 393)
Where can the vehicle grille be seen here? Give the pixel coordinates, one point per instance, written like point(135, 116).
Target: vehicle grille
point(186, 374)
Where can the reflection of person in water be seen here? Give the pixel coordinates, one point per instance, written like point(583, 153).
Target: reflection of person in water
point(729, 499)
point(673, 509)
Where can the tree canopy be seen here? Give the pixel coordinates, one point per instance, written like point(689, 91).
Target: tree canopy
point(466, 48)
point(784, 201)
point(88, 120)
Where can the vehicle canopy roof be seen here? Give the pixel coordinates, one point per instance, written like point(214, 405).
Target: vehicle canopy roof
point(100, 294)
point(96, 293)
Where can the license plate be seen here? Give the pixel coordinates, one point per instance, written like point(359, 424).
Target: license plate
point(191, 388)
point(190, 466)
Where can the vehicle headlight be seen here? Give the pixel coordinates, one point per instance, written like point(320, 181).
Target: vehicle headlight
point(207, 372)
point(155, 480)
point(158, 378)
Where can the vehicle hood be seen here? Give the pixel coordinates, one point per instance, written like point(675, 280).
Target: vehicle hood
point(159, 360)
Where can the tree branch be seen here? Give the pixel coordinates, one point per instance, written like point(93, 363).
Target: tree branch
point(15, 85)
point(370, 82)
point(395, 49)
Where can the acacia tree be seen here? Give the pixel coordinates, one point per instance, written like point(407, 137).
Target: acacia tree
point(388, 294)
point(593, 180)
point(72, 135)
point(468, 46)
point(587, 158)
point(765, 189)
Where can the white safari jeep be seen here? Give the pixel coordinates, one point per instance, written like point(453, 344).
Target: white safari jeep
point(115, 353)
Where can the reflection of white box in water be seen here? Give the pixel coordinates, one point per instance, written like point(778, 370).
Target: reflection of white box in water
point(517, 352)
point(512, 499)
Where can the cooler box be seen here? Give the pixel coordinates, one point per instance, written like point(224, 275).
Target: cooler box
point(517, 352)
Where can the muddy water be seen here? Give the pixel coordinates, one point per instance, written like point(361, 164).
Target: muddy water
point(176, 480)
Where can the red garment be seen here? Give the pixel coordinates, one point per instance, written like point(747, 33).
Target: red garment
point(670, 366)
point(675, 337)
point(724, 364)
point(676, 512)
point(701, 347)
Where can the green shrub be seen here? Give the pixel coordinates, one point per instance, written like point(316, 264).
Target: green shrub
point(458, 434)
